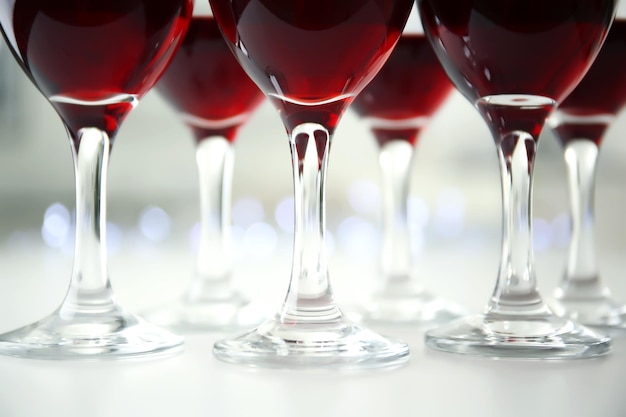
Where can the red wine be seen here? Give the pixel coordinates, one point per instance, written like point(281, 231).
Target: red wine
point(94, 58)
point(311, 57)
point(588, 110)
point(530, 47)
point(206, 84)
point(409, 88)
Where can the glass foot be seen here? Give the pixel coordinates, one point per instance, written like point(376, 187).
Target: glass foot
point(543, 337)
point(337, 344)
point(599, 312)
point(207, 315)
point(89, 336)
point(417, 308)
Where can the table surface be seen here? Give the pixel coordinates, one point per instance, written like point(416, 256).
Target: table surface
point(193, 383)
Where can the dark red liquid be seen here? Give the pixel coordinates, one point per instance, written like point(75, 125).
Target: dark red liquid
point(411, 85)
point(311, 57)
point(601, 92)
point(533, 47)
point(204, 80)
point(101, 54)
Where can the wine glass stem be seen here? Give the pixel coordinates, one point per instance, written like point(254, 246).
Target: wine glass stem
point(395, 160)
point(90, 289)
point(582, 270)
point(516, 291)
point(310, 296)
point(214, 158)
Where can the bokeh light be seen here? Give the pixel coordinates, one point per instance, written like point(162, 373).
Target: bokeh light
point(154, 223)
point(246, 211)
point(543, 234)
point(260, 241)
point(56, 225)
point(358, 238)
point(284, 214)
point(450, 214)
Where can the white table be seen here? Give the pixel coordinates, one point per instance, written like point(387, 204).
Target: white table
point(195, 384)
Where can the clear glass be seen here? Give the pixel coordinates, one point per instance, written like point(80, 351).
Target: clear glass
point(210, 302)
point(309, 329)
point(401, 297)
point(214, 97)
point(582, 295)
point(489, 51)
point(90, 324)
point(516, 321)
point(397, 105)
point(580, 124)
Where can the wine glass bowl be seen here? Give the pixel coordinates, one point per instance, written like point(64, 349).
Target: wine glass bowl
point(321, 80)
point(580, 124)
point(311, 58)
point(214, 97)
point(487, 49)
point(92, 60)
point(397, 105)
point(515, 60)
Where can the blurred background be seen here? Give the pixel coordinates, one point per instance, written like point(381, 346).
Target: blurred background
point(455, 209)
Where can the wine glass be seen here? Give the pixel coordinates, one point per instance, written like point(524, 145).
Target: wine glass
point(214, 97)
point(515, 60)
point(311, 58)
point(398, 104)
point(93, 60)
point(579, 124)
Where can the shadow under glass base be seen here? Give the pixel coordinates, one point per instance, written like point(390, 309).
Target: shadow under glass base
point(337, 344)
point(596, 312)
point(544, 337)
point(420, 308)
point(207, 315)
point(90, 336)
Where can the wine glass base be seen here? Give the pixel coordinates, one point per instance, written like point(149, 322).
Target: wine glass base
point(597, 312)
point(186, 317)
point(422, 309)
point(337, 344)
point(544, 337)
point(90, 336)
